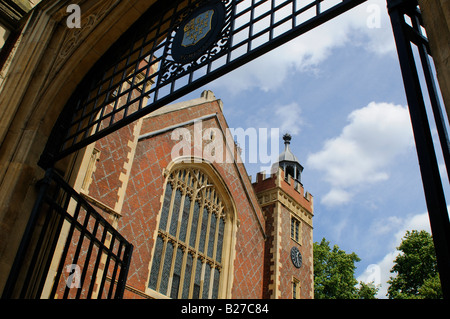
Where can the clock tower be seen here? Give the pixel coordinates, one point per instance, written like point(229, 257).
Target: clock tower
point(288, 210)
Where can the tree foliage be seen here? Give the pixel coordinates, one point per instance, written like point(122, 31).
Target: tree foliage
point(367, 291)
point(334, 274)
point(415, 267)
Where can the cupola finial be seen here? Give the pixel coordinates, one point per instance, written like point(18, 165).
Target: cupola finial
point(287, 138)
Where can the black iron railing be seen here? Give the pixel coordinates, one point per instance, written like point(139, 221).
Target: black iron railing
point(69, 250)
point(146, 60)
point(410, 36)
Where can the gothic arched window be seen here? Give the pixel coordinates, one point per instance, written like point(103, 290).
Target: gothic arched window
point(188, 258)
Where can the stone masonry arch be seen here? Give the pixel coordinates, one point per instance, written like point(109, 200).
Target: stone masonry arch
point(48, 62)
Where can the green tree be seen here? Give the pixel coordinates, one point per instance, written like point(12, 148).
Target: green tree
point(416, 270)
point(367, 291)
point(334, 274)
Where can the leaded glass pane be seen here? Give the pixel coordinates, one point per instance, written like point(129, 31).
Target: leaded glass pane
point(177, 273)
point(292, 227)
point(188, 180)
point(187, 276)
point(166, 269)
point(185, 218)
point(295, 229)
point(175, 213)
point(201, 246)
point(198, 276)
point(194, 224)
point(220, 240)
point(169, 256)
point(156, 262)
point(196, 292)
point(212, 235)
point(175, 286)
point(294, 290)
point(215, 293)
point(166, 206)
point(206, 282)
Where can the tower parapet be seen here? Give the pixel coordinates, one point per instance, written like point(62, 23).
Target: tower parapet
point(288, 211)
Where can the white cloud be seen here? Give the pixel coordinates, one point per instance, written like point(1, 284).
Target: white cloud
point(289, 119)
point(364, 150)
point(286, 117)
point(366, 25)
point(416, 222)
point(380, 272)
point(382, 227)
point(337, 196)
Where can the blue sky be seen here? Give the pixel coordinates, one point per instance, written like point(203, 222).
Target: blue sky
point(338, 91)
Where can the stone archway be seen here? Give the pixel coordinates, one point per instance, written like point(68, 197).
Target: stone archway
point(48, 62)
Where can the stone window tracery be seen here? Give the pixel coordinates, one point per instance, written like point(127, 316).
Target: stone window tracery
point(188, 261)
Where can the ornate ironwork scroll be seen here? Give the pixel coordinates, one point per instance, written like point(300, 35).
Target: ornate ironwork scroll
point(173, 49)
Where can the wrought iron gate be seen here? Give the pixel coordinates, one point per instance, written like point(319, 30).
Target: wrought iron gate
point(68, 244)
point(409, 32)
point(148, 57)
point(178, 46)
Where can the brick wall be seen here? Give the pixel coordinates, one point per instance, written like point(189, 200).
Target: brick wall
point(269, 262)
point(288, 270)
point(280, 200)
point(150, 143)
point(142, 203)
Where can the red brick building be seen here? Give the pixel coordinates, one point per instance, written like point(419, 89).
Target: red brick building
point(174, 185)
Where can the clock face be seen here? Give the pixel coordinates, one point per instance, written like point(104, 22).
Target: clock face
point(296, 257)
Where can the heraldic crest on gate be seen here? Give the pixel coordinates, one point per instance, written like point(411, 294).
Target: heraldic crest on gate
point(197, 28)
point(168, 55)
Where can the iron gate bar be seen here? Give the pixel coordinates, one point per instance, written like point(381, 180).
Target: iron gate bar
point(25, 243)
point(68, 245)
point(56, 196)
point(414, 34)
point(88, 257)
point(86, 117)
point(96, 266)
point(434, 193)
point(424, 52)
point(120, 259)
